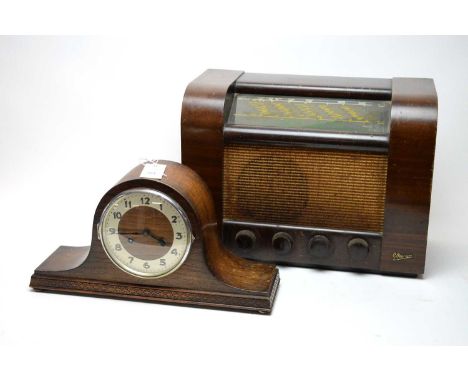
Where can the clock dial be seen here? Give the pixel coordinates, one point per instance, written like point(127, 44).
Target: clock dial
point(145, 233)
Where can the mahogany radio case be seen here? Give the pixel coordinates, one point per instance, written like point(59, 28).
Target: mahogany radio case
point(316, 171)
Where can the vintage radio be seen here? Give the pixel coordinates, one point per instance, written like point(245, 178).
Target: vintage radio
point(316, 171)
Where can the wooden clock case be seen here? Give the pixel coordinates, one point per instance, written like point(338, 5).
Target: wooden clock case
point(210, 276)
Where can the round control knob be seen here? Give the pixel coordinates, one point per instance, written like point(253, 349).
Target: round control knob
point(282, 242)
point(245, 239)
point(358, 249)
point(319, 246)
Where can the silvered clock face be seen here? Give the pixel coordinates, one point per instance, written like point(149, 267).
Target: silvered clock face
point(145, 233)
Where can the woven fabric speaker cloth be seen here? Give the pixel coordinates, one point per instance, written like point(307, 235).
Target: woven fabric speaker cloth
point(304, 187)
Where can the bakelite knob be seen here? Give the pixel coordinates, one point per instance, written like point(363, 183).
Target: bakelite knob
point(282, 242)
point(319, 246)
point(358, 249)
point(245, 239)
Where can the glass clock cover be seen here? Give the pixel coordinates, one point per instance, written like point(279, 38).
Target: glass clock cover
point(145, 233)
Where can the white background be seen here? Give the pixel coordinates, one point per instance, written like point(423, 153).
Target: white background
point(76, 113)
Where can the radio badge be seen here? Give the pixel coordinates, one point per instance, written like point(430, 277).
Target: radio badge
point(397, 256)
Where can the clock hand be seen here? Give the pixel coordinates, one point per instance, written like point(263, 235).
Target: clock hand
point(130, 240)
point(160, 240)
point(146, 232)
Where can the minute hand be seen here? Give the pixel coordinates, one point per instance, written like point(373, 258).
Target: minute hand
point(147, 232)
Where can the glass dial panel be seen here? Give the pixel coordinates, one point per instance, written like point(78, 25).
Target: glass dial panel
point(145, 233)
point(330, 115)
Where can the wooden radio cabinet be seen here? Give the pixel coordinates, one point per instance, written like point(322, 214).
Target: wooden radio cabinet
point(316, 171)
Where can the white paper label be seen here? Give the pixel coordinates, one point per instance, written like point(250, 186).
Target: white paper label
point(153, 170)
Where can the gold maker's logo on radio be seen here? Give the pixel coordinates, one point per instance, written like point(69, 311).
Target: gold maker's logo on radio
point(397, 256)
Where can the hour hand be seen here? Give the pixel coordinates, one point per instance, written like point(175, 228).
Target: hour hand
point(159, 239)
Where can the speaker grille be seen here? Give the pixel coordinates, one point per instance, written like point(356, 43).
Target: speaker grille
point(303, 186)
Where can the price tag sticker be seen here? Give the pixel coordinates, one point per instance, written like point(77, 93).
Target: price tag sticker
point(153, 170)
